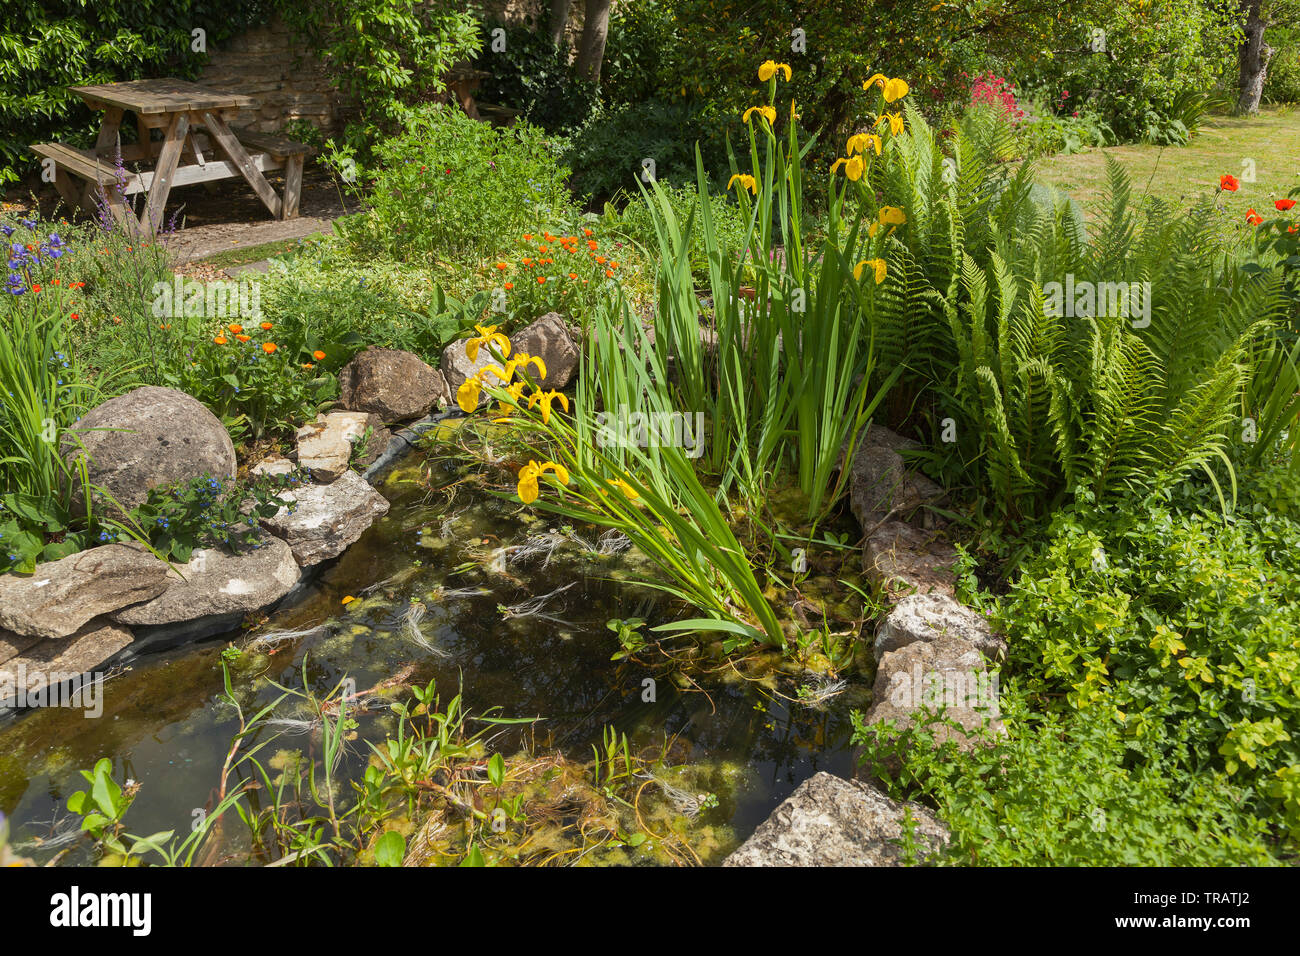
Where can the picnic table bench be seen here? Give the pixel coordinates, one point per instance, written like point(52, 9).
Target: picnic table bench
point(198, 146)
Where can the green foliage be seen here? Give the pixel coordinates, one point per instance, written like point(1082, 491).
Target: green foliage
point(636, 223)
point(386, 56)
point(533, 76)
point(1050, 397)
point(1160, 62)
point(1282, 84)
point(1184, 623)
point(325, 300)
point(251, 383)
point(448, 186)
point(208, 512)
point(606, 153)
point(1072, 791)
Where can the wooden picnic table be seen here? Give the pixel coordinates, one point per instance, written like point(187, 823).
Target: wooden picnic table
point(198, 145)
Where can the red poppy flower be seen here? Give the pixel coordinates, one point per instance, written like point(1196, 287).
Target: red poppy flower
point(1284, 204)
point(1253, 217)
point(1228, 183)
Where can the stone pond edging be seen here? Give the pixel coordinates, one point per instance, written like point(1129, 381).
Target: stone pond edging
point(106, 604)
point(929, 650)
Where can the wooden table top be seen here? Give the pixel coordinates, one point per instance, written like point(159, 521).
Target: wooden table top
point(166, 95)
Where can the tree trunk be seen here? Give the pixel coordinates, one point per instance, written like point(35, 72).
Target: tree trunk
point(559, 20)
point(1252, 59)
point(595, 28)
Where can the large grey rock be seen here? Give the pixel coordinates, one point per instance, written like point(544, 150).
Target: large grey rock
point(325, 445)
point(881, 482)
point(214, 581)
point(57, 661)
point(456, 366)
point(929, 617)
point(902, 559)
point(830, 821)
point(325, 519)
point(925, 677)
point(148, 437)
point(60, 596)
point(393, 384)
point(550, 340)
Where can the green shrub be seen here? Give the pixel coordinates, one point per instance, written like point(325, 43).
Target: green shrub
point(607, 153)
point(636, 222)
point(532, 75)
point(1282, 85)
point(449, 187)
point(1072, 791)
point(1177, 619)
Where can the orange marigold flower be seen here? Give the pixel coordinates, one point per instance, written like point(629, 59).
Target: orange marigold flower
point(542, 249)
point(592, 244)
point(266, 326)
point(601, 260)
point(242, 338)
point(501, 266)
point(308, 365)
point(586, 232)
point(220, 340)
point(318, 355)
point(236, 329)
point(269, 347)
point(609, 273)
point(528, 237)
point(573, 275)
point(541, 280)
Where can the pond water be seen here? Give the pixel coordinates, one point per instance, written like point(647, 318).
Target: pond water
point(468, 564)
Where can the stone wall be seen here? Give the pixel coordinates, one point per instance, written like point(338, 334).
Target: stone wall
point(285, 79)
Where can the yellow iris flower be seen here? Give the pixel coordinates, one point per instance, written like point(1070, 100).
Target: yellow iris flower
point(515, 391)
point(878, 265)
point(861, 142)
point(895, 121)
point(746, 182)
point(486, 336)
point(895, 89)
point(767, 112)
point(853, 167)
point(546, 398)
point(770, 68)
point(890, 216)
point(529, 474)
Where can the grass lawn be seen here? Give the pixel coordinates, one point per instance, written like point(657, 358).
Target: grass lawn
point(1184, 173)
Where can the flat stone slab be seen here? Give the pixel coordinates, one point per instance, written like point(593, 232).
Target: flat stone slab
point(947, 674)
point(61, 596)
point(56, 661)
point(880, 482)
point(929, 617)
point(830, 821)
point(326, 519)
point(902, 560)
point(325, 445)
point(214, 581)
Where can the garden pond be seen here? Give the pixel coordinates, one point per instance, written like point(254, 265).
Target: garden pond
point(505, 606)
